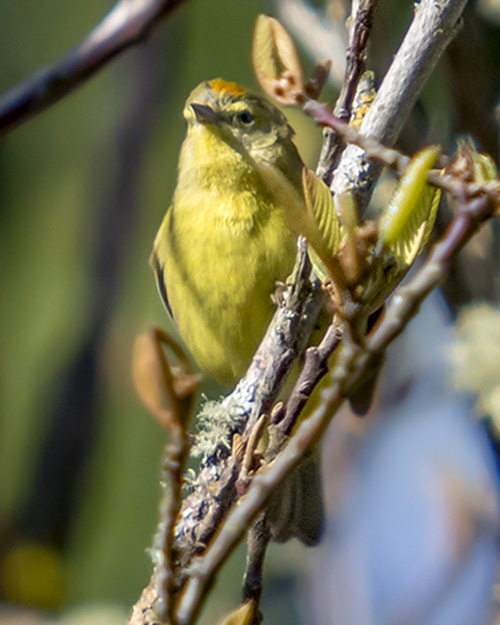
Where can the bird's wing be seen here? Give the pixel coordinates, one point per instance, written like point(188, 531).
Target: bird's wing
point(158, 265)
point(158, 269)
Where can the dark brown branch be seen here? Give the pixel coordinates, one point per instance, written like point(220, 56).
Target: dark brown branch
point(258, 539)
point(314, 369)
point(128, 23)
point(355, 58)
point(355, 66)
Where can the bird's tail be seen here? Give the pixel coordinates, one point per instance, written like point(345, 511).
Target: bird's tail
point(296, 507)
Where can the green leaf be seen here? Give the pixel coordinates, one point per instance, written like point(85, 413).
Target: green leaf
point(407, 222)
point(415, 237)
point(311, 214)
point(484, 167)
point(322, 226)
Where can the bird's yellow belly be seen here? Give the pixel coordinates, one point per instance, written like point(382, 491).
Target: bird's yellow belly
point(220, 276)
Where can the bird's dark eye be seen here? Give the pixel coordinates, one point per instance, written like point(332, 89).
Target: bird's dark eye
point(245, 117)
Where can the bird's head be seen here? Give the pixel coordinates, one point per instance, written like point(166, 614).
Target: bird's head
point(244, 120)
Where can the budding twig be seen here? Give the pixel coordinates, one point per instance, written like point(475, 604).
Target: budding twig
point(398, 161)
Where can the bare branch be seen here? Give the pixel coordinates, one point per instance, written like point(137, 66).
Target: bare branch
point(173, 469)
point(257, 542)
point(128, 23)
point(314, 369)
point(434, 25)
point(375, 150)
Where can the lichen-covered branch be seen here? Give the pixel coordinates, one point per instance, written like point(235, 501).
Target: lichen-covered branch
point(286, 338)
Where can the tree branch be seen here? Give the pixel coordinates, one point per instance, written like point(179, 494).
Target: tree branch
point(434, 25)
point(128, 23)
point(209, 523)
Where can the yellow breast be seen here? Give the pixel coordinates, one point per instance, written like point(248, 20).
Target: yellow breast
point(221, 249)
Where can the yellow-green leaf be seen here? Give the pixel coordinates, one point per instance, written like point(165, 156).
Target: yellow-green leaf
point(243, 615)
point(407, 222)
point(275, 61)
point(322, 229)
point(484, 167)
point(311, 214)
point(409, 247)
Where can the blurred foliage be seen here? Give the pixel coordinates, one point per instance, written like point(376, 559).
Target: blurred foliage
point(83, 188)
point(476, 358)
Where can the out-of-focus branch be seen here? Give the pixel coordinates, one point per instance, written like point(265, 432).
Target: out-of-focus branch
point(128, 23)
point(330, 36)
point(433, 27)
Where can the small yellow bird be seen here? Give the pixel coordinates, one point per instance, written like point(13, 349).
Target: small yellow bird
point(224, 243)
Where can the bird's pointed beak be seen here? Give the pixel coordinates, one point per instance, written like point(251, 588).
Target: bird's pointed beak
point(204, 114)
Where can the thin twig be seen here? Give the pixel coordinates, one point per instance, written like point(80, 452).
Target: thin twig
point(173, 470)
point(355, 66)
point(128, 23)
point(371, 146)
point(259, 536)
point(391, 157)
point(355, 57)
point(314, 369)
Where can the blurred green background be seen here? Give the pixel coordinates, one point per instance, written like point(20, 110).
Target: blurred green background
point(83, 189)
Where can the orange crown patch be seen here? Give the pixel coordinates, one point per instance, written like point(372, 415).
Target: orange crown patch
point(228, 87)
